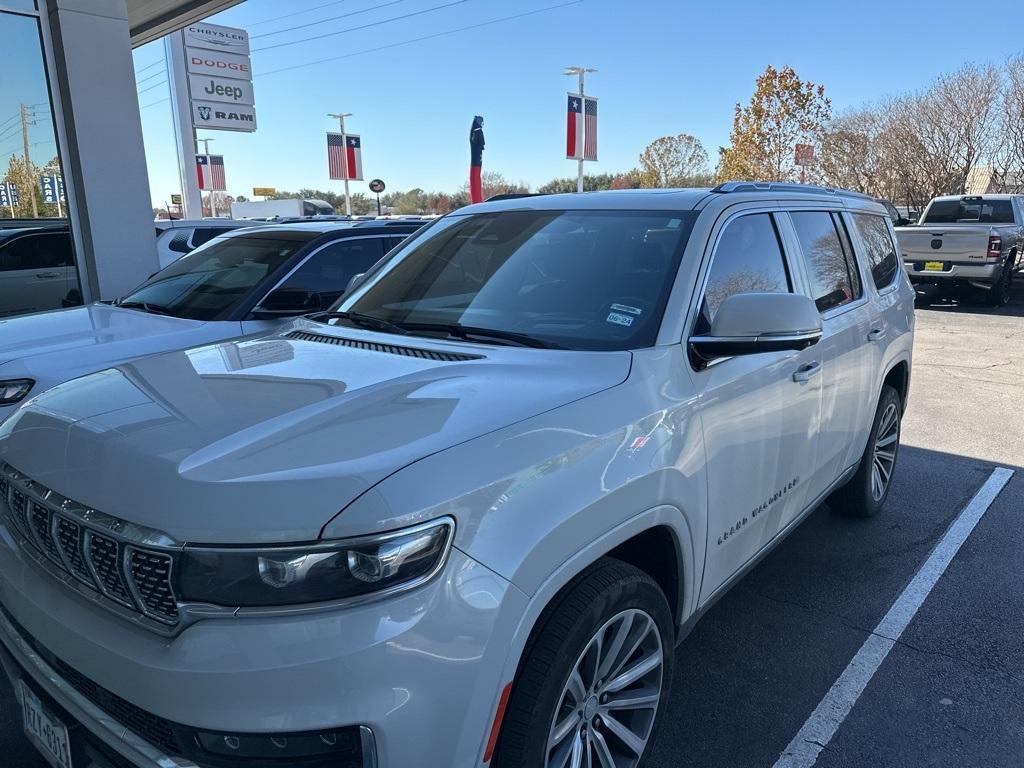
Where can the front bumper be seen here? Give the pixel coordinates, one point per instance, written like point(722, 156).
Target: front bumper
point(420, 671)
point(954, 272)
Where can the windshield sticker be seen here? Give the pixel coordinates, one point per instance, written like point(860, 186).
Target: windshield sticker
point(625, 308)
point(618, 319)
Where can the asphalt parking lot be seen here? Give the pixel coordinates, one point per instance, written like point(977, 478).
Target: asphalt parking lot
point(951, 690)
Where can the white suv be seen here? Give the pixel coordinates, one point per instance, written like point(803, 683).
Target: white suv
point(466, 516)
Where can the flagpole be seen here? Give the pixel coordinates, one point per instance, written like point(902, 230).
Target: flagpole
point(344, 158)
point(581, 71)
point(206, 151)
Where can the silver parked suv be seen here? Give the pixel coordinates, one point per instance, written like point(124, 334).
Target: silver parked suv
point(465, 516)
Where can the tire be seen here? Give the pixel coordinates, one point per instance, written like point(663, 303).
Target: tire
point(999, 294)
point(861, 496)
point(608, 598)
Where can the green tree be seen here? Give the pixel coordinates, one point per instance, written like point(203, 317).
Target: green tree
point(591, 183)
point(783, 112)
point(674, 161)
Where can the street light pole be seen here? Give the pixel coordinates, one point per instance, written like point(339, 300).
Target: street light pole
point(206, 151)
point(581, 72)
point(344, 156)
point(27, 120)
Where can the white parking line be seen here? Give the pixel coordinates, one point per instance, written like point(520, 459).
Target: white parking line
point(823, 723)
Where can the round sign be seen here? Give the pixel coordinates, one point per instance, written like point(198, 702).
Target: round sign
point(377, 186)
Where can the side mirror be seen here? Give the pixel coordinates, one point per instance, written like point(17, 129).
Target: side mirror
point(902, 222)
point(752, 323)
point(287, 302)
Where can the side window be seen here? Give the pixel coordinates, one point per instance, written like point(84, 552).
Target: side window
point(830, 268)
point(879, 247)
point(36, 252)
point(203, 235)
point(747, 259)
point(329, 271)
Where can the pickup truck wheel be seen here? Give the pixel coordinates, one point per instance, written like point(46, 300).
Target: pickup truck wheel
point(866, 492)
point(999, 294)
point(595, 670)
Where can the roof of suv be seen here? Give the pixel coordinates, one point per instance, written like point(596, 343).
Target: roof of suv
point(313, 228)
point(661, 199)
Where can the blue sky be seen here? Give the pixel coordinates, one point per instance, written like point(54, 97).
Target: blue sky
point(666, 67)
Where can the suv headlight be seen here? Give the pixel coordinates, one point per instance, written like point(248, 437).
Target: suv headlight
point(14, 390)
point(317, 573)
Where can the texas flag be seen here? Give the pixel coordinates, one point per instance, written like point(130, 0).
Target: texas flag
point(574, 128)
point(345, 156)
point(210, 169)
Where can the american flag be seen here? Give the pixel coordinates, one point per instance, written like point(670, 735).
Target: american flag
point(590, 128)
point(345, 153)
point(574, 128)
point(210, 169)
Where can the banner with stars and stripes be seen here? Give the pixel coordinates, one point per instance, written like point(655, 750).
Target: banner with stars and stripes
point(345, 156)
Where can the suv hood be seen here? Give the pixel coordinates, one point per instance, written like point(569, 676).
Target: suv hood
point(266, 440)
point(81, 328)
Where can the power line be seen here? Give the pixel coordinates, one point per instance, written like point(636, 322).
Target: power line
point(363, 26)
point(148, 66)
point(154, 103)
point(151, 87)
point(297, 13)
point(425, 37)
point(330, 18)
point(149, 77)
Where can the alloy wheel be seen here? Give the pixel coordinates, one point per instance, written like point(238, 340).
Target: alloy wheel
point(607, 707)
point(884, 457)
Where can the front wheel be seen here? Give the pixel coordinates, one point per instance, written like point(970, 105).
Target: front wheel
point(866, 492)
point(594, 675)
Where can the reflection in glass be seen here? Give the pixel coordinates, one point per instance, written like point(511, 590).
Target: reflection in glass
point(28, 147)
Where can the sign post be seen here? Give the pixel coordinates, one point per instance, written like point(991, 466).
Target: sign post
point(210, 77)
point(581, 135)
point(804, 156)
point(53, 191)
point(9, 196)
point(377, 186)
point(350, 148)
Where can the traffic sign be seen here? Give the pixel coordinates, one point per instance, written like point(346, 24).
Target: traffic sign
point(377, 186)
point(804, 154)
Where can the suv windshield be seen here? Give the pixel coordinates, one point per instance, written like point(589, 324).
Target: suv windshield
point(981, 211)
point(211, 282)
point(575, 279)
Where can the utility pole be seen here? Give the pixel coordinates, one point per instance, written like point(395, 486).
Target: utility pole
point(206, 151)
point(581, 72)
point(344, 156)
point(29, 182)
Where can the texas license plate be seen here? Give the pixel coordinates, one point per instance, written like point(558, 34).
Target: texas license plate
point(934, 266)
point(49, 734)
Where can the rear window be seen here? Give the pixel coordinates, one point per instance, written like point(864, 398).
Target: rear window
point(980, 211)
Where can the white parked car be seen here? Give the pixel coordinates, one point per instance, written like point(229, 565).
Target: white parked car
point(176, 237)
point(244, 282)
point(37, 269)
point(465, 517)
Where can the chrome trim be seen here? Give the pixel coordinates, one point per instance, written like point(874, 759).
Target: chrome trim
point(113, 732)
point(368, 746)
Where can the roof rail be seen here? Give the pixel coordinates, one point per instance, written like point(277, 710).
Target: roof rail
point(513, 196)
point(785, 186)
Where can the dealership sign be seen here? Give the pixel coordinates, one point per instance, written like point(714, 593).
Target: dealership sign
point(53, 189)
point(223, 117)
point(217, 38)
point(220, 89)
point(219, 78)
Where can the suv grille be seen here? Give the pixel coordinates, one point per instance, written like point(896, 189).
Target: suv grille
point(134, 577)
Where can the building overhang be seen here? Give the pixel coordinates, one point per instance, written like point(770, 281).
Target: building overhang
point(151, 19)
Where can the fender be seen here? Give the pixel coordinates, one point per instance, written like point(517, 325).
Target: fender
point(663, 515)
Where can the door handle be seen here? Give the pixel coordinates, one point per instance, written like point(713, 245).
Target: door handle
point(876, 334)
point(806, 372)
point(47, 275)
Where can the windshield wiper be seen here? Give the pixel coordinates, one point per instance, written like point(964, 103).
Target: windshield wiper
point(464, 332)
point(363, 321)
point(153, 309)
